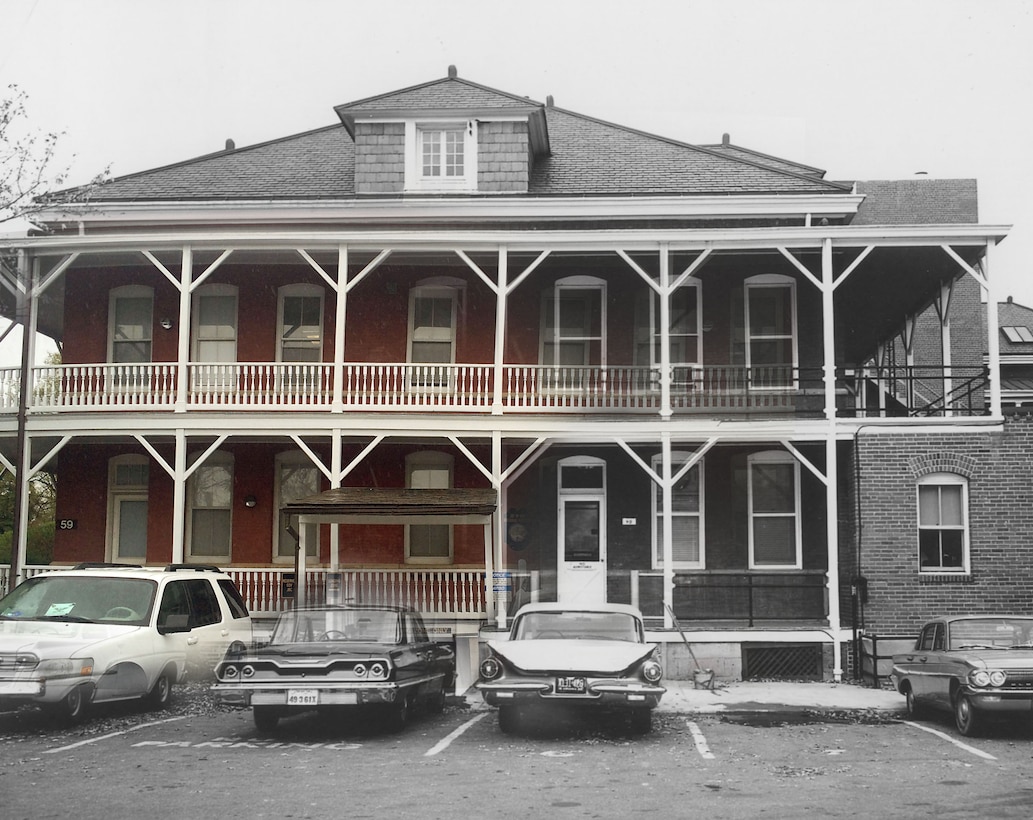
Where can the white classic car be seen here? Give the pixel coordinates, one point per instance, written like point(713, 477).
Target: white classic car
point(577, 657)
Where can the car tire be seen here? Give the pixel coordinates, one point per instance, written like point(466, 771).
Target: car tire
point(72, 708)
point(965, 718)
point(641, 721)
point(436, 704)
point(510, 720)
point(265, 717)
point(160, 696)
point(915, 710)
point(398, 714)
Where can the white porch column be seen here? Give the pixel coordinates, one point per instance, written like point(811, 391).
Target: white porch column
point(179, 494)
point(832, 580)
point(668, 540)
point(183, 355)
point(993, 341)
point(665, 336)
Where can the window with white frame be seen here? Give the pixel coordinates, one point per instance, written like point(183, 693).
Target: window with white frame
point(943, 523)
point(432, 334)
point(684, 332)
point(573, 330)
point(774, 511)
point(441, 156)
point(301, 324)
point(215, 338)
point(127, 507)
point(130, 332)
point(771, 343)
point(210, 503)
point(296, 477)
point(686, 515)
point(428, 543)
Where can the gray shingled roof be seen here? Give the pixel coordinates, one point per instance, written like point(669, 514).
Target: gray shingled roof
point(589, 157)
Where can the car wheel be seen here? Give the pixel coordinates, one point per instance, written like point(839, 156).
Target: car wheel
point(73, 707)
point(398, 714)
point(265, 717)
point(509, 720)
point(965, 715)
point(436, 704)
point(915, 710)
point(641, 721)
point(160, 695)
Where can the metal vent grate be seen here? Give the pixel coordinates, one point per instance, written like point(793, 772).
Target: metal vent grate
point(782, 662)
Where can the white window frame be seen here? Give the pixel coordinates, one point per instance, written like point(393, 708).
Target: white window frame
point(944, 479)
point(117, 493)
point(433, 289)
point(130, 292)
point(299, 291)
point(678, 460)
point(298, 459)
point(439, 461)
point(775, 457)
point(555, 380)
point(771, 281)
point(222, 379)
point(685, 374)
point(219, 458)
point(416, 181)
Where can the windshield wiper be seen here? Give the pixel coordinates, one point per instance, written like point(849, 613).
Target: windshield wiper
point(71, 619)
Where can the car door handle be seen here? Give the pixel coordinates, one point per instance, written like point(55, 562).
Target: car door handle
point(225, 632)
point(191, 640)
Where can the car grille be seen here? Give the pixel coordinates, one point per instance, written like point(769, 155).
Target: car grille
point(1019, 681)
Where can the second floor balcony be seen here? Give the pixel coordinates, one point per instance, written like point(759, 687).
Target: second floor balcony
point(512, 388)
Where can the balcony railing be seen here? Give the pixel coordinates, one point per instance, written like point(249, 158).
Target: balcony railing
point(471, 388)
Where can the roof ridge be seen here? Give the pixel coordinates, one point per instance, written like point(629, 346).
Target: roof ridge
point(440, 81)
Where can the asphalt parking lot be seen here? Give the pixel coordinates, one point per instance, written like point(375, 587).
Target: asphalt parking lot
point(199, 756)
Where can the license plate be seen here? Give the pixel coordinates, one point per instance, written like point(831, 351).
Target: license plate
point(571, 686)
point(302, 697)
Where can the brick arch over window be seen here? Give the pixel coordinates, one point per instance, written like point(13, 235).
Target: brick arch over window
point(943, 463)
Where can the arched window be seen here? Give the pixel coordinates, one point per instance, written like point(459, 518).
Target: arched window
point(943, 523)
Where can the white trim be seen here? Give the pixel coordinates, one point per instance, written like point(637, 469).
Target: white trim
point(303, 291)
point(129, 292)
point(296, 458)
point(220, 458)
point(438, 461)
point(117, 493)
point(551, 302)
point(678, 459)
point(775, 457)
point(771, 282)
point(415, 181)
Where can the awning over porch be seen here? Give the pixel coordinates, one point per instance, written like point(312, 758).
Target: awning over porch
point(375, 505)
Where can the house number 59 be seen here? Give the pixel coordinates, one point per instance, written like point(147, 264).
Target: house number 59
point(66, 524)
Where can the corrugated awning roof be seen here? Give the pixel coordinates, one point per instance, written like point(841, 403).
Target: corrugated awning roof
point(373, 505)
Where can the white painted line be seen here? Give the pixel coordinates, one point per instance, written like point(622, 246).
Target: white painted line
point(949, 739)
point(445, 742)
point(113, 734)
point(701, 742)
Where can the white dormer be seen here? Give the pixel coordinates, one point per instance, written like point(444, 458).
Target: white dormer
point(441, 155)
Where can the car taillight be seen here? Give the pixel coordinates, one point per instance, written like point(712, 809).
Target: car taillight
point(490, 668)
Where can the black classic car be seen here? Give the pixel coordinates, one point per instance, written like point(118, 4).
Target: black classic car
point(376, 657)
point(975, 666)
point(573, 657)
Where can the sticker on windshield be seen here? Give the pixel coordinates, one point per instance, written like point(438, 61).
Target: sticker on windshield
point(59, 609)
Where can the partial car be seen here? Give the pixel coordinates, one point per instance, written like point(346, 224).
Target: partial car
point(104, 633)
point(573, 657)
point(974, 666)
point(377, 657)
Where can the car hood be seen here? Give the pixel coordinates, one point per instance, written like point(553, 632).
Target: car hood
point(1006, 659)
point(56, 639)
point(605, 657)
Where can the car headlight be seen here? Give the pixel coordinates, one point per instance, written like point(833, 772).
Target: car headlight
point(652, 671)
point(998, 677)
point(983, 677)
point(490, 668)
point(65, 668)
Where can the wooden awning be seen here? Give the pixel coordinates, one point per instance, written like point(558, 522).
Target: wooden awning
point(376, 505)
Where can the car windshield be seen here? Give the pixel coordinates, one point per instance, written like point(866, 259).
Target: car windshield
point(77, 598)
point(359, 625)
point(609, 626)
point(994, 633)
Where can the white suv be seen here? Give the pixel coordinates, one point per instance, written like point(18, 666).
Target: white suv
point(106, 632)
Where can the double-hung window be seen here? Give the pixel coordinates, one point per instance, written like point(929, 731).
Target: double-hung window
point(943, 523)
point(573, 331)
point(210, 498)
point(215, 338)
point(296, 477)
point(432, 334)
point(130, 333)
point(771, 344)
point(686, 516)
point(300, 342)
point(774, 511)
point(428, 543)
point(684, 336)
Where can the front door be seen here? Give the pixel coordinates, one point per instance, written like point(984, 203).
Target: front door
point(581, 558)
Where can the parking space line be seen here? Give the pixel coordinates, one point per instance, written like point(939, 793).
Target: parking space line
point(445, 742)
point(112, 734)
point(949, 739)
point(700, 741)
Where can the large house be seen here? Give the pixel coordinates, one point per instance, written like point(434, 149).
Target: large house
point(463, 349)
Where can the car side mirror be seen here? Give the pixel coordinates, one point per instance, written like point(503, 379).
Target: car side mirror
point(173, 624)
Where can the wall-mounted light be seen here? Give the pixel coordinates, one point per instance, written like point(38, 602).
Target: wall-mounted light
point(166, 323)
point(250, 501)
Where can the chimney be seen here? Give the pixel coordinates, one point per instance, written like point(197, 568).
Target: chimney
point(726, 140)
point(451, 72)
point(549, 101)
point(230, 145)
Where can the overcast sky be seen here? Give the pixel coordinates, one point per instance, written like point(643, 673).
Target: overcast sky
point(864, 89)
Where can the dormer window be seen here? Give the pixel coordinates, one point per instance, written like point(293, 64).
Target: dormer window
point(441, 156)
